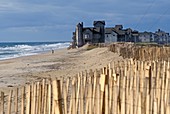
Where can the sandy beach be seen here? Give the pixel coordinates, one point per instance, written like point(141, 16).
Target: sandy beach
point(24, 70)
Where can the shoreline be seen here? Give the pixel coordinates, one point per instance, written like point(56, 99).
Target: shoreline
point(45, 52)
point(24, 70)
point(20, 49)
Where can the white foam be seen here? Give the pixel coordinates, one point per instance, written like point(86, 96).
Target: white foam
point(25, 50)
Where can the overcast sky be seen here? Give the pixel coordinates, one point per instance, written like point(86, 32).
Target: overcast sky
point(55, 20)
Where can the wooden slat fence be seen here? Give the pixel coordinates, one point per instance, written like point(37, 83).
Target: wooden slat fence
point(143, 53)
point(122, 87)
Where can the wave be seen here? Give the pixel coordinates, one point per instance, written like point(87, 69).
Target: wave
point(13, 50)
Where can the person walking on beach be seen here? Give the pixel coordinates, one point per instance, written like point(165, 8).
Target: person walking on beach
point(52, 51)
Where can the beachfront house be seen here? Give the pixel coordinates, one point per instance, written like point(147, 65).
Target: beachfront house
point(101, 34)
point(126, 35)
point(159, 36)
point(119, 34)
point(85, 35)
point(121, 37)
point(110, 35)
point(162, 37)
point(135, 36)
point(146, 37)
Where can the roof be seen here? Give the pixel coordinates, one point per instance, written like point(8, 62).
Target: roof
point(120, 32)
point(146, 33)
point(90, 28)
point(119, 27)
point(80, 24)
point(93, 29)
point(96, 29)
point(135, 32)
point(128, 30)
point(95, 22)
point(108, 30)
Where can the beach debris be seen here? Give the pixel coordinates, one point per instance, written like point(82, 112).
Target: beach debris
point(10, 86)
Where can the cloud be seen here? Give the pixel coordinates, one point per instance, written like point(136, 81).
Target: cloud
point(50, 16)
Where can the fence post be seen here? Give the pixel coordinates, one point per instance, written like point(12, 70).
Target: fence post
point(106, 100)
point(33, 100)
point(16, 101)
point(127, 93)
point(23, 101)
point(9, 102)
point(94, 88)
point(131, 103)
point(168, 109)
point(77, 92)
point(162, 107)
point(65, 98)
point(110, 86)
point(147, 104)
point(142, 77)
point(87, 101)
point(57, 97)
point(67, 84)
point(45, 99)
point(155, 111)
point(71, 100)
point(98, 100)
point(122, 102)
point(38, 98)
point(28, 98)
point(2, 103)
point(43, 96)
point(90, 98)
point(139, 106)
point(82, 94)
point(102, 82)
point(49, 98)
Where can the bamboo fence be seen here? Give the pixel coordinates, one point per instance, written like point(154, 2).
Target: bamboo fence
point(122, 87)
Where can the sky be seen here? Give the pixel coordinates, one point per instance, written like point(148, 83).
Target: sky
point(55, 20)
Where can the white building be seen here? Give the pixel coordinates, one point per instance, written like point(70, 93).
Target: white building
point(110, 35)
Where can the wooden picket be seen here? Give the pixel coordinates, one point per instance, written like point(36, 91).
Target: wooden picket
point(122, 87)
point(141, 52)
point(2, 103)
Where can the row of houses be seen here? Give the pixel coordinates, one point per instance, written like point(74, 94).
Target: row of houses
point(159, 36)
point(101, 34)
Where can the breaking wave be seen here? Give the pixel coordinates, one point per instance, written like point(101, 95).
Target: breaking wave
point(13, 50)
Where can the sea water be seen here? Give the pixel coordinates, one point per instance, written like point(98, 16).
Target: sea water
point(10, 50)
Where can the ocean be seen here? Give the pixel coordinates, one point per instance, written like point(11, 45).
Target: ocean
point(10, 50)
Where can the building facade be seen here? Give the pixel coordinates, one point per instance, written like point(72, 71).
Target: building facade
point(161, 37)
point(83, 35)
point(101, 34)
point(146, 37)
point(110, 35)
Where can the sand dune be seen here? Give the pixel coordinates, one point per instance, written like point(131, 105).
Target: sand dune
point(19, 71)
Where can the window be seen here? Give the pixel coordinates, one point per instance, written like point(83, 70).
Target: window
point(86, 36)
